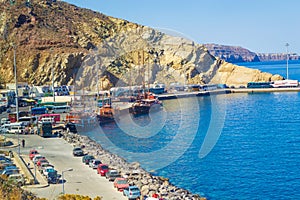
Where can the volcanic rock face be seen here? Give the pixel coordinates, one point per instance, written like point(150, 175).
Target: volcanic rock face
point(232, 54)
point(96, 49)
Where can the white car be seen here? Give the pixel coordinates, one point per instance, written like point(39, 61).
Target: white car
point(47, 170)
point(94, 163)
point(37, 157)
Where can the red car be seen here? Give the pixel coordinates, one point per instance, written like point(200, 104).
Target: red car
point(32, 153)
point(102, 169)
point(121, 183)
point(40, 161)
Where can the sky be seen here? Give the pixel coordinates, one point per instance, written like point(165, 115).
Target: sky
point(262, 26)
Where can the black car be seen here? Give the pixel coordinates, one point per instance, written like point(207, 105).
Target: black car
point(77, 151)
point(87, 158)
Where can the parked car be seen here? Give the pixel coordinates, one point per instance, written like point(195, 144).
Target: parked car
point(9, 172)
point(112, 174)
point(48, 170)
point(32, 153)
point(132, 192)
point(4, 159)
point(53, 177)
point(4, 164)
point(87, 158)
point(41, 160)
point(17, 179)
point(43, 166)
point(94, 163)
point(102, 169)
point(121, 183)
point(36, 158)
point(77, 151)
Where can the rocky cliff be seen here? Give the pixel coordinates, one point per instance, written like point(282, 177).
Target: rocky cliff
point(99, 51)
point(232, 54)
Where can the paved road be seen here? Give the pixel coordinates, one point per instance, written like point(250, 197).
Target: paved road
point(82, 180)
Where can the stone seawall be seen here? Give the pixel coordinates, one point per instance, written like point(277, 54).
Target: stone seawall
point(136, 175)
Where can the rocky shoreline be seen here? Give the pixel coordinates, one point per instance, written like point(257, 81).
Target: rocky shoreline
point(136, 175)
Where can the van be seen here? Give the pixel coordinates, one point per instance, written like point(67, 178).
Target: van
point(16, 128)
point(17, 179)
point(5, 121)
point(47, 119)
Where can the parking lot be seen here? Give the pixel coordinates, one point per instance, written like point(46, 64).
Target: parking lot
point(82, 180)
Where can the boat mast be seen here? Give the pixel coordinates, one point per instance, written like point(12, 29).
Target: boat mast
point(287, 60)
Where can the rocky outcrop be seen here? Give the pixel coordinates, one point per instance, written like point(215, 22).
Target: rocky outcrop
point(234, 75)
point(232, 54)
point(88, 47)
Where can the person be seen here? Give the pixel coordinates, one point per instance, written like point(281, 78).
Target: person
point(23, 143)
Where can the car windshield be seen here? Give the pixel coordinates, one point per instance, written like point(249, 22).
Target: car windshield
point(104, 167)
point(77, 149)
point(97, 162)
point(122, 182)
point(113, 172)
point(134, 189)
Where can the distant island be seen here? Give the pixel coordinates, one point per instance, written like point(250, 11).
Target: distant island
point(237, 54)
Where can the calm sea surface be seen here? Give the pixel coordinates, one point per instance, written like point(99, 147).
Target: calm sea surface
point(254, 140)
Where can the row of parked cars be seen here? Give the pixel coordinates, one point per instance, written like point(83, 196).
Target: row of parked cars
point(44, 166)
point(120, 183)
point(11, 171)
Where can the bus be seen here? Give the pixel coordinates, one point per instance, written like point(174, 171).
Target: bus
point(51, 103)
point(259, 85)
point(38, 110)
point(55, 117)
point(61, 109)
point(45, 129)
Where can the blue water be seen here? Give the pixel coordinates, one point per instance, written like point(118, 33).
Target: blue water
point(255, 140)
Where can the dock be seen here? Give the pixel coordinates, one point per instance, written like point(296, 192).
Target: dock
point(225, 91)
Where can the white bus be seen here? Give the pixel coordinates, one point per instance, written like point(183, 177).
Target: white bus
point(60, 109)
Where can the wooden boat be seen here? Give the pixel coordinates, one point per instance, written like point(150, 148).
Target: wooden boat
point(149, 103)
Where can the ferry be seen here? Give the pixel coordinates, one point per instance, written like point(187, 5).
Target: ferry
point(285, 83)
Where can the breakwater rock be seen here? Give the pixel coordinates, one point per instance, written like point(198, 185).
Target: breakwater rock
point(135, 174)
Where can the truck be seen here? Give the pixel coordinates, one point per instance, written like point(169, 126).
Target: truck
point(45, 129)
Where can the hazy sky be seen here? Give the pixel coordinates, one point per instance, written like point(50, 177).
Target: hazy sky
point(262, 26)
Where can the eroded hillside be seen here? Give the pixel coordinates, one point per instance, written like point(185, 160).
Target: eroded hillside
point(90, 46)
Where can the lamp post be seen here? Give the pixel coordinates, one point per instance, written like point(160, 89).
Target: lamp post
point(34, 173)
point(16, 94)
point(287, 60)
point(62, 176)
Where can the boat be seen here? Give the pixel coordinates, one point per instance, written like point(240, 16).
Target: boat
point(105, 112)
point(157, 89)
point(82, 120)
point(145, 104)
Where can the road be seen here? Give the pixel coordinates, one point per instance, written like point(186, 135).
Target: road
point(82, 180)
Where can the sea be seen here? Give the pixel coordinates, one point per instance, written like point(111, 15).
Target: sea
point(227, 146)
